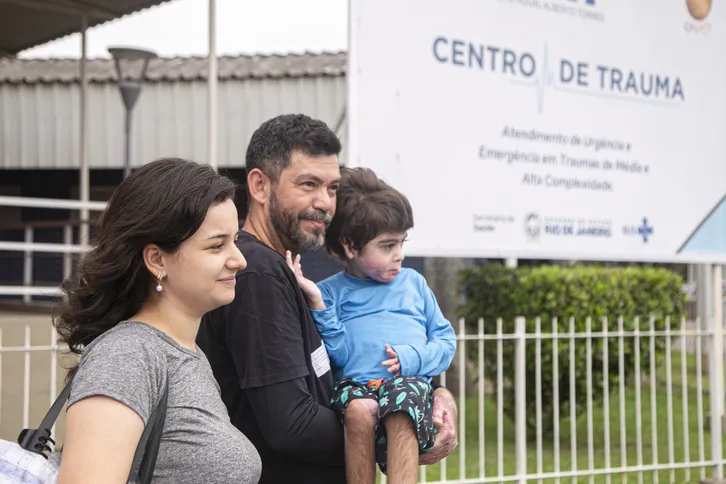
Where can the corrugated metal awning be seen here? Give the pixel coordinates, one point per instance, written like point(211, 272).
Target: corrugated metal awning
point(67, 71)
point(28, 23)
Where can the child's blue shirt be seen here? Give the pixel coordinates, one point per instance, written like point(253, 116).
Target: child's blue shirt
point(363, 315)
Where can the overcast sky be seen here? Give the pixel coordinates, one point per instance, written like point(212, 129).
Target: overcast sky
point(243, 26)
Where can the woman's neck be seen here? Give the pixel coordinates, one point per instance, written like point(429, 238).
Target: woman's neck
point(178, 325)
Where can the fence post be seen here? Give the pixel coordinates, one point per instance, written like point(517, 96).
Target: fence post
point(67, 256)
point(716, 373)
point(520, 394)
point(28, 264)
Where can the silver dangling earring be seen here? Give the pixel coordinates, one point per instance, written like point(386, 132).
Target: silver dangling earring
point(158, 284)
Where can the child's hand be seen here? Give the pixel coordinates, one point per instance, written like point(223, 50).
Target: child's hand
point(392, 362)
point(308, 287)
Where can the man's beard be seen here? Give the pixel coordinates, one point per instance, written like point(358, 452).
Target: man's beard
point(288, 226)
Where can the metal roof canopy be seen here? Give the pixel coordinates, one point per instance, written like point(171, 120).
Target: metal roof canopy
point(28, 23)
point(178, 69)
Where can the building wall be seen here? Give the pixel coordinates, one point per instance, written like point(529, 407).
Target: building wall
point(63, 184)
point(39, 123)
point(39, 144)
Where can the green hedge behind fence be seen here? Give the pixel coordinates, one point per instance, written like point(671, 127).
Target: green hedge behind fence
point(493, 292)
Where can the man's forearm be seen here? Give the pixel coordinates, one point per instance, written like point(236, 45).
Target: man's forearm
point(292, 423)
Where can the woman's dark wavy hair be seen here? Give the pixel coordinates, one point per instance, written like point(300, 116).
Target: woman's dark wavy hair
point(164, 202)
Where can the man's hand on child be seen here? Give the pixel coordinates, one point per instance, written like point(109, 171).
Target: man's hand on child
point(392, 361)
point(308, 287)
point(444, 418)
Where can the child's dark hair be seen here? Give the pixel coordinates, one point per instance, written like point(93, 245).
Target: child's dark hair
point(366, 207)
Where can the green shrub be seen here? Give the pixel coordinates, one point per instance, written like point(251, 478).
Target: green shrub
point(547, 292)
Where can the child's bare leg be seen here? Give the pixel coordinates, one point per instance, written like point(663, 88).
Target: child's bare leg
point(402, 461)
point(360, 461)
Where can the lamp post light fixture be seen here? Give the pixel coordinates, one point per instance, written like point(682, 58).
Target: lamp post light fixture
point(131, 65)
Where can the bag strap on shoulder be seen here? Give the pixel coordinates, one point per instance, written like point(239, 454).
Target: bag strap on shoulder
point(148, 448)
point(36, 440)
point(142, 467)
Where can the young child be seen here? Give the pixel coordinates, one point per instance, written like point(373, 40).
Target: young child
point(381, 325)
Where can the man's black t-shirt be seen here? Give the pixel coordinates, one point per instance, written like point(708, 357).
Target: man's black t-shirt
point(274, 372)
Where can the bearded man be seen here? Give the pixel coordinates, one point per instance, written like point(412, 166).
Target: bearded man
point(264, 349)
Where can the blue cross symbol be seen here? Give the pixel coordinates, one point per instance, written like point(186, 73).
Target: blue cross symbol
point(645, 231)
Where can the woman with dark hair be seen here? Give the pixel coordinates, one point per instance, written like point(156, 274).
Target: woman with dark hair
point(165, 255)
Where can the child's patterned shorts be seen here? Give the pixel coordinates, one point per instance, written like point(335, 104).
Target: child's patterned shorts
point(408, 394)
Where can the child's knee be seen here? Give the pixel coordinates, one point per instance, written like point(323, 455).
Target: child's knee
point(362, 410)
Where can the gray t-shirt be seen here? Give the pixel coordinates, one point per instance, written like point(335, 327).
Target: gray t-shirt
point(130, 363)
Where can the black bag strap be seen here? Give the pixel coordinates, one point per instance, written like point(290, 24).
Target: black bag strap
point(36, 440)
point(142, 466)
point(148, 448)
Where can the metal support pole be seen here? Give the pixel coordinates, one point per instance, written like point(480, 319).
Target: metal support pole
point(352, 79)
point(704, 305)
point(520, 394)
point(85, 176)
point(212, 87)
point(704, 287)
point(67, 257)
point(28, 264)
point(716, 372)
point(127, 143)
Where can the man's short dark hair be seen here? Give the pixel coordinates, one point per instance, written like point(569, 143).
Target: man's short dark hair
point(366, 207)
point(274, 141)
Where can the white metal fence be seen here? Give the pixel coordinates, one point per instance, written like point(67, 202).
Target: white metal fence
point(649, 427)
point(644, 418)
point(29, 246)
point(30, 373)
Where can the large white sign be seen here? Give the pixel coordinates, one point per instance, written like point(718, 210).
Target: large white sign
point(587, 129)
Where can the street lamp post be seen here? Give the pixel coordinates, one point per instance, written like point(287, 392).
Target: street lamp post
point(131, 65)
